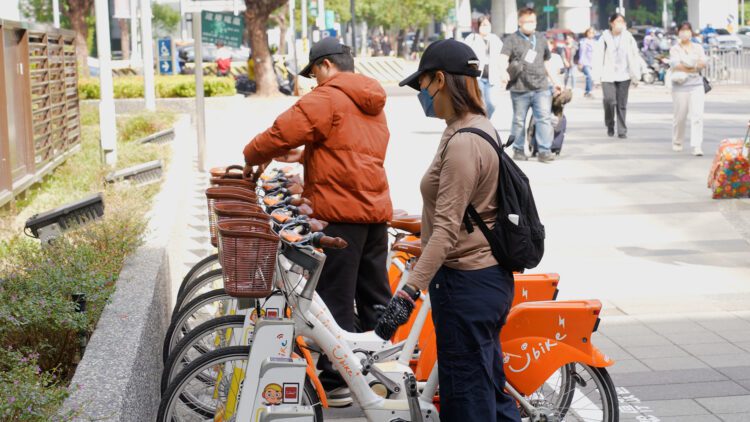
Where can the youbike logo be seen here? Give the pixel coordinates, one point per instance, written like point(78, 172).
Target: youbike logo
point(340, 357)
point(284, 345)
point(536, 351)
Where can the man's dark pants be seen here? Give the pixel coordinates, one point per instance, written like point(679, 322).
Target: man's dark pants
point(355, 273)
point(469, 308)
point(616, 101)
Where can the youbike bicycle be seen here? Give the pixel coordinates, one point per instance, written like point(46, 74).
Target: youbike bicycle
point(266, 381)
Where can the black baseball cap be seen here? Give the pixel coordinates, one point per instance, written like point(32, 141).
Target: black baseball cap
point(325, 47)
point(448, 55)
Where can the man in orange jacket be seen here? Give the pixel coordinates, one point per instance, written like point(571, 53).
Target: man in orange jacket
point(343, 129)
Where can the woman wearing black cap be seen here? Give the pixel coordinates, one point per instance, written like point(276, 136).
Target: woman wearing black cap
point(470, 294)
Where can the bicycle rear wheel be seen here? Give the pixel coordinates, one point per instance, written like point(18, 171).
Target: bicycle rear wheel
point(206, 282)
point(207, 337)
point(205, 307)
point(577, 392)
point(203, 266)
point(201, 391)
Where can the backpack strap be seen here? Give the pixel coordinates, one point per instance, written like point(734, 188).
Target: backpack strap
point(471, 212)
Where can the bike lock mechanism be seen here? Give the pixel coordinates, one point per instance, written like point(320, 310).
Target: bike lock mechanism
point(51, 224)
point(412, 397)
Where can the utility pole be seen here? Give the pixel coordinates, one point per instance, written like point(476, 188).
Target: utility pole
point(56, 13)
point(107, 126)
point(621, 9)
point(147, 40)
point(321, 21)
point(303, 5)
point(293, 42)
point(200, 104)
point(135, 53)
point(354, 30)
point(547, 9)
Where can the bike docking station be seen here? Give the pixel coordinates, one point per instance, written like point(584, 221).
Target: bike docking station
point(49, 225)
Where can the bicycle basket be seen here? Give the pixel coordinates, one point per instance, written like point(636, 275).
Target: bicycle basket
point(230, 210)
point(228, 194)
point(247, 250)
point(240, 183)
point(233, 172)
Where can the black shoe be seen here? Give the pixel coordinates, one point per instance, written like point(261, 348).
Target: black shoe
point(622, 136)
point(610, 132)
point(339, 397)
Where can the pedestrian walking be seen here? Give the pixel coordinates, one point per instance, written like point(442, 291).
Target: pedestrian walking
point(617, 65)
point(487, 46)
point(585, 59)
point(342, 126)
point(571, 48)
point(470, 293)
point(223, 59)
point(524, 61)
point(687, 59)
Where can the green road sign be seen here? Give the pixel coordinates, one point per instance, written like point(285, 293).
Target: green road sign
point(549, 9)
point(223, 27)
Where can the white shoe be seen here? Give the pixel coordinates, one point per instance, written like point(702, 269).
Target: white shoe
point(676, 147)
point(339, 397)
point(697, 151)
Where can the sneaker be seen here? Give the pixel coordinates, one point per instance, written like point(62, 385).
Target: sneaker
point(339, 397)
point(588, 95)
point(622, 136)
point(545, 156)
point(610, 132)
point(519, 155)
point(676, 147)
point(697, 151)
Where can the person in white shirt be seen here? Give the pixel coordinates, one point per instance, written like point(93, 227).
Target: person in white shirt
point(616, 65)
point(687, 59)
point(487, 46)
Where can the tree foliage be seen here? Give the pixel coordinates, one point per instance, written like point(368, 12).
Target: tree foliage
point(165, 19)
point(402, 13)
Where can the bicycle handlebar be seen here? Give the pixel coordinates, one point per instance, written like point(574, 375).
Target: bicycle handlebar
point(319, 240)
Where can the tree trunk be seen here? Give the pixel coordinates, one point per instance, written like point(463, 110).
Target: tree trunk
point(265, 79)
point(401, 43)
point(76, 11)
point(124, 38)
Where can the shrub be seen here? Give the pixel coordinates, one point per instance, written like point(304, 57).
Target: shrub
point(180, 86)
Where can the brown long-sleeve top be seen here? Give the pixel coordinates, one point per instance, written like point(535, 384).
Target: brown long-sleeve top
point(464, 170)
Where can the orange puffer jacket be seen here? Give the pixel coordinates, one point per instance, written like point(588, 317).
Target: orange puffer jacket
point(342, 125)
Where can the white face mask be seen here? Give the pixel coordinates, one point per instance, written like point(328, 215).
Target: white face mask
point(528, 28)
point(685, 35)
point(619, 27)
point(485, 29)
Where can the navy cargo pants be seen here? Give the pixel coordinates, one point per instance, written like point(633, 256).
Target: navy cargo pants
point(469, 309)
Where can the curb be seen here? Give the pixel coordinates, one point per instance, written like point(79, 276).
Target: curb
point(118, 378)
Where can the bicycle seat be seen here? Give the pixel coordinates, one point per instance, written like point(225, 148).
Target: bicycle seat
point(412, 247)
point(408, 223)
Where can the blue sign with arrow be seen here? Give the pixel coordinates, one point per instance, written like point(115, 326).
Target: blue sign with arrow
point(166, 56)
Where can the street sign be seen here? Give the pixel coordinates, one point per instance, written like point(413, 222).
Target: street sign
point(313, 6)
point(166, 56)
point(224, 27)
point(330, 18)
point(548, 9)
point(328, 33)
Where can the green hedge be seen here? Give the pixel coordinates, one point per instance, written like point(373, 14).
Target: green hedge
point(180, 86)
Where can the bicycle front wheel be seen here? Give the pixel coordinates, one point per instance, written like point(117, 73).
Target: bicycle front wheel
point(208, 281)
point(577, 392)
point(203, 266)
point(207, 306)
point(203, 389)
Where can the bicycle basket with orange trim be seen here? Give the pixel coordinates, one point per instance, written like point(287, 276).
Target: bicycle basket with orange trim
point(247, 250)
point(226, 194)
point(240, 183)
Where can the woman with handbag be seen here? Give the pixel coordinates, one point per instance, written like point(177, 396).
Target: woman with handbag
point(688, 93)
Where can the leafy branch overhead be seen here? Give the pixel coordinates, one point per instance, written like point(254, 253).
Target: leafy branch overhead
point(402, 13)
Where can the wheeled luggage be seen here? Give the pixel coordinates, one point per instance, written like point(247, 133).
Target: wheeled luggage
point(730, 172)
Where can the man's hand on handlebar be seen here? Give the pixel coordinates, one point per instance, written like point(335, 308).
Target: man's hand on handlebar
point(253, 172)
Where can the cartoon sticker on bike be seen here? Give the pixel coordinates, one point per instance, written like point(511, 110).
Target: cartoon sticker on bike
point(272, 395)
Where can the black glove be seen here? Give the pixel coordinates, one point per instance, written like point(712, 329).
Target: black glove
point(397, 312)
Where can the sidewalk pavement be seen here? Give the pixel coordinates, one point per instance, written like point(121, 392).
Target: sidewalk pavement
point(628, 222)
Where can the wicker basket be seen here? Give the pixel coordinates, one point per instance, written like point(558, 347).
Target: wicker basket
point(229, 210)
point(226, 194)
point(247, 250)
point(240, 183)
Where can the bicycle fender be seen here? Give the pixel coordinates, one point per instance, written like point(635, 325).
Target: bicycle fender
point(311, 373)
point(529, 361)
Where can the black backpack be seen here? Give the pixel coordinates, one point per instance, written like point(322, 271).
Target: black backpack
point(515, 246)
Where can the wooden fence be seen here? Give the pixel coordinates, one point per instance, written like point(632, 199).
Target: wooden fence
point(39, 110)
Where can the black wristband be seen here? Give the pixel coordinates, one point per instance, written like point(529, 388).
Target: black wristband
point(413, 293)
